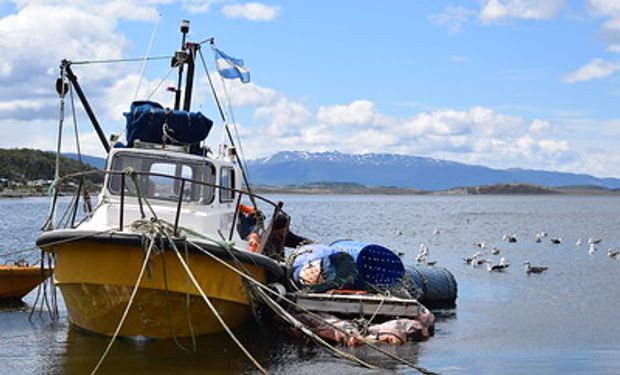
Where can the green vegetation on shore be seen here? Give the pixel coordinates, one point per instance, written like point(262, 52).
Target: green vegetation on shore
point(27, 172)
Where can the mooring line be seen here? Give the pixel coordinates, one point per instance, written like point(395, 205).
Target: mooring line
point(214, 310)
point(126, 312)
point(292, 303)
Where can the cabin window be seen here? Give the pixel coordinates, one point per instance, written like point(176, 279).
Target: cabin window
point(227, 180)
point(162, 179)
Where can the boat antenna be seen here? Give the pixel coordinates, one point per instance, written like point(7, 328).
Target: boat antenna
point(179, 59)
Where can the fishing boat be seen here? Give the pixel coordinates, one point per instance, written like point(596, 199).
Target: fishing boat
point(159, 256)
point(20, 279)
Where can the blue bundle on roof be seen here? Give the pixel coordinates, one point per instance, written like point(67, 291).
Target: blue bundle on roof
point(146, 119)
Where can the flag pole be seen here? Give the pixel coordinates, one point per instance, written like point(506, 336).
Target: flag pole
point(244, 173)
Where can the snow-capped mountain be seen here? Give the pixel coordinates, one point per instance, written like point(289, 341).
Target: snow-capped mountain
point(300, 167)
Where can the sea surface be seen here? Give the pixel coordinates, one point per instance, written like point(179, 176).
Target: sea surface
point(564, 321)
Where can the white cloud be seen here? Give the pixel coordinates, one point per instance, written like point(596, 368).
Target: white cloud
point(539, 126)
point(251, 11)
point(199, 6)
point(284, 116)
point(64, 29)
point(611, 11)
point(497, 10)
point(452, 18)
point(358, 113)
point(478, 120)
point(595, 69)
point(615, 48)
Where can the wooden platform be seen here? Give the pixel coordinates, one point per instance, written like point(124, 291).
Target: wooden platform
point(359, 304)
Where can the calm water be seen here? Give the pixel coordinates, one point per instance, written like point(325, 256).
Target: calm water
point(565, 321)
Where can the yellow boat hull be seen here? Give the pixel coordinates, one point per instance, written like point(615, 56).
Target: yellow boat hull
point(17, 281)
point(97, 278)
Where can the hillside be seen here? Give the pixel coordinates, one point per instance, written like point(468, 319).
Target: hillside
point(23, 165)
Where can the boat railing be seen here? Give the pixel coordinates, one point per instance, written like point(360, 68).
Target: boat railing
point(69, 218)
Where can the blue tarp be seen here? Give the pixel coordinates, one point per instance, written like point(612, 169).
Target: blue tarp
point(146, 119)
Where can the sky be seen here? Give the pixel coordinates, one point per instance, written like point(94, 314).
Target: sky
point(502, 83)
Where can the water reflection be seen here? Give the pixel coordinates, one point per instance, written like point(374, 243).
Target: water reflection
point(277, 351)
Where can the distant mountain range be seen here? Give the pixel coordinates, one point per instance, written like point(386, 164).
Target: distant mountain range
point(405, 171)
point(402, 171)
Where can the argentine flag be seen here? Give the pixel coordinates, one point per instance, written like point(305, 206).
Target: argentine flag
point(231, 68)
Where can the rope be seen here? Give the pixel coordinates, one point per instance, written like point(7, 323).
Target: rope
point(246, 177)
point(369, 322)
point(292, 303)
point(148, 50)
point(159, 84)
point(214, 310)
point(126, 312)
point(111, 61)
point(276, 307)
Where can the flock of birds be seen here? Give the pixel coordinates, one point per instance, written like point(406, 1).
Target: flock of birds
point(477, 259)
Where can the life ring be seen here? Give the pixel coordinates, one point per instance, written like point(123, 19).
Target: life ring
point(253, 242)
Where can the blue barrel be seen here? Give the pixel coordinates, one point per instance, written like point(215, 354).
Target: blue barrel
point(437, 284)
point(377, 265)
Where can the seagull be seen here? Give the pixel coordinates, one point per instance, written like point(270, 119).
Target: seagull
point(398, 232)
point(495, 250)
point(534, 269)
point(592, 249)
point(594, 241)
point(423, 250)
point(471, 259)
point(613, 254)
point(497, 267)
point(474, 259)
point(422, 253)
point(436, 232)
point(556, 241)
point(578, 243)
point(538, 237)
point(480, 245)
point(508, 238)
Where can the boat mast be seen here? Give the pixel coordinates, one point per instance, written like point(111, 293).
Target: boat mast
point(66, 66)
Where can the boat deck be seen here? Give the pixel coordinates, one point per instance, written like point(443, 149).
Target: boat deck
point(365, 305)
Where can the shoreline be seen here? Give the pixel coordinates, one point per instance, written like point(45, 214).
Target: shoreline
point(320, 189)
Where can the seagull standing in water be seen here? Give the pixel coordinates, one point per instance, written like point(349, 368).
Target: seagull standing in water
point(422, 254)
point(495, 250)
point(534, 269)
point(613, 254)
point(594, 241)
point(592, 249)
point(508, 238)
point(578, 243)
point(538, 238)
point(473, 260)
point(500, 267)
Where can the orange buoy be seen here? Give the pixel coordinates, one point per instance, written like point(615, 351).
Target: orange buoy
point(253, 242)
point(246, 209)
